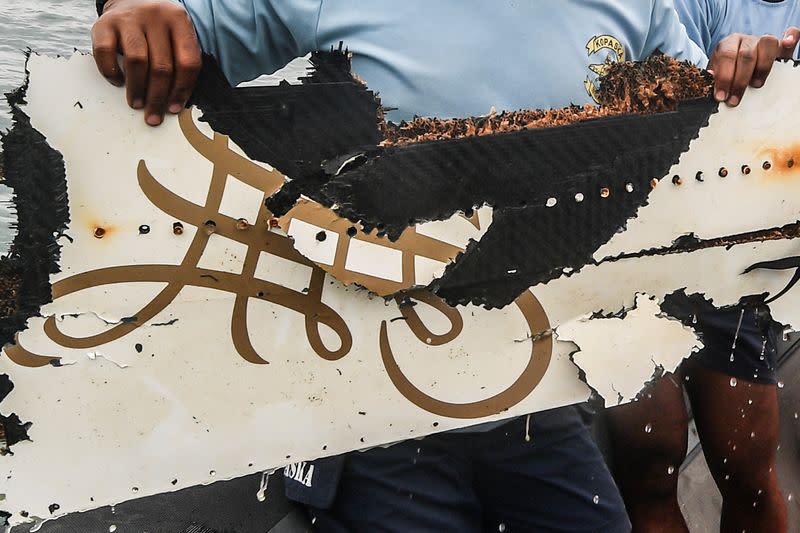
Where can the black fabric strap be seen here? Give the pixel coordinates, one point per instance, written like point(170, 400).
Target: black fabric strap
point(100, 4)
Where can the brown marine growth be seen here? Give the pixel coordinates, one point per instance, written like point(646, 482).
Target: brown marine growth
point(652, 86)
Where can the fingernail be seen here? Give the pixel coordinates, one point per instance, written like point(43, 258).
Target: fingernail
point(175, 108)
point(733, 101)
point(138, 103)
point(758, 83)
point(153, 120)
point(721, 95)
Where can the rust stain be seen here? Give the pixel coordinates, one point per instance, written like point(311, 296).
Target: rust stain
point(101, 230)
point(782, 161)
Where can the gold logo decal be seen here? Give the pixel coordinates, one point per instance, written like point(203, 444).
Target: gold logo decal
point(260, 240)
point(615, 52)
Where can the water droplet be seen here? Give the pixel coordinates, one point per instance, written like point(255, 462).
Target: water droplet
point(212, 473)
point(694, 319)
point(579, 197)
point(501, 528)
point(780, 384)
point(725, 461)
point(112, 528)
point(551, 202)
point(261, 495)
point(727, 477)
point(135, 489)
point(629, 187)
point(790, 497)
point(749, 402)
point(796, 416)
point(670, 470)
point(736, 337)
point(596, 499)
point(734, 382)
point(752, 434)
point(648, 428)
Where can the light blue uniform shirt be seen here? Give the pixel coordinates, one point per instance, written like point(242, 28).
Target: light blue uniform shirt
point(447, 58)
point(709, 21)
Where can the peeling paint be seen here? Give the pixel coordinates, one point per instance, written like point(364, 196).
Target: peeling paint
point(93, 356)
point(657, 343)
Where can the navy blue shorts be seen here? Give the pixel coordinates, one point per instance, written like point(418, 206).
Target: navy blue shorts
point(751, 354)
point(469, 482)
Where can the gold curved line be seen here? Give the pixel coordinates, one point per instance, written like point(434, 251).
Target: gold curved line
point(309, 305)
point(529, 379)
point(420, 330)
point(239, 334)
point(155, 306)
point(325, 315)
point(217, 150)
point(22, 357)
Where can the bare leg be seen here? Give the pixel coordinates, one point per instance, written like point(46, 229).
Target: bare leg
point(649, 440)
point(738, 427)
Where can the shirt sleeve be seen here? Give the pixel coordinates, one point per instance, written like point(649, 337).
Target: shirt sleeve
point(667, 34)
point(704, 21)
point(254, 37)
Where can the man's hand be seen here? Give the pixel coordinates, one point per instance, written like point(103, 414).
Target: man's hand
point(161, 54)
point(741, 60)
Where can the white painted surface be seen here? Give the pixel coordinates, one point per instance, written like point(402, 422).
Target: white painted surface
point(620, 355)
point(375, 260)
point(306, 241)
point(738, 203)
point(189, 403)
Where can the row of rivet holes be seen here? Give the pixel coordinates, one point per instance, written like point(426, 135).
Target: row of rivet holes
point(605, 192)
point(177, 228)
